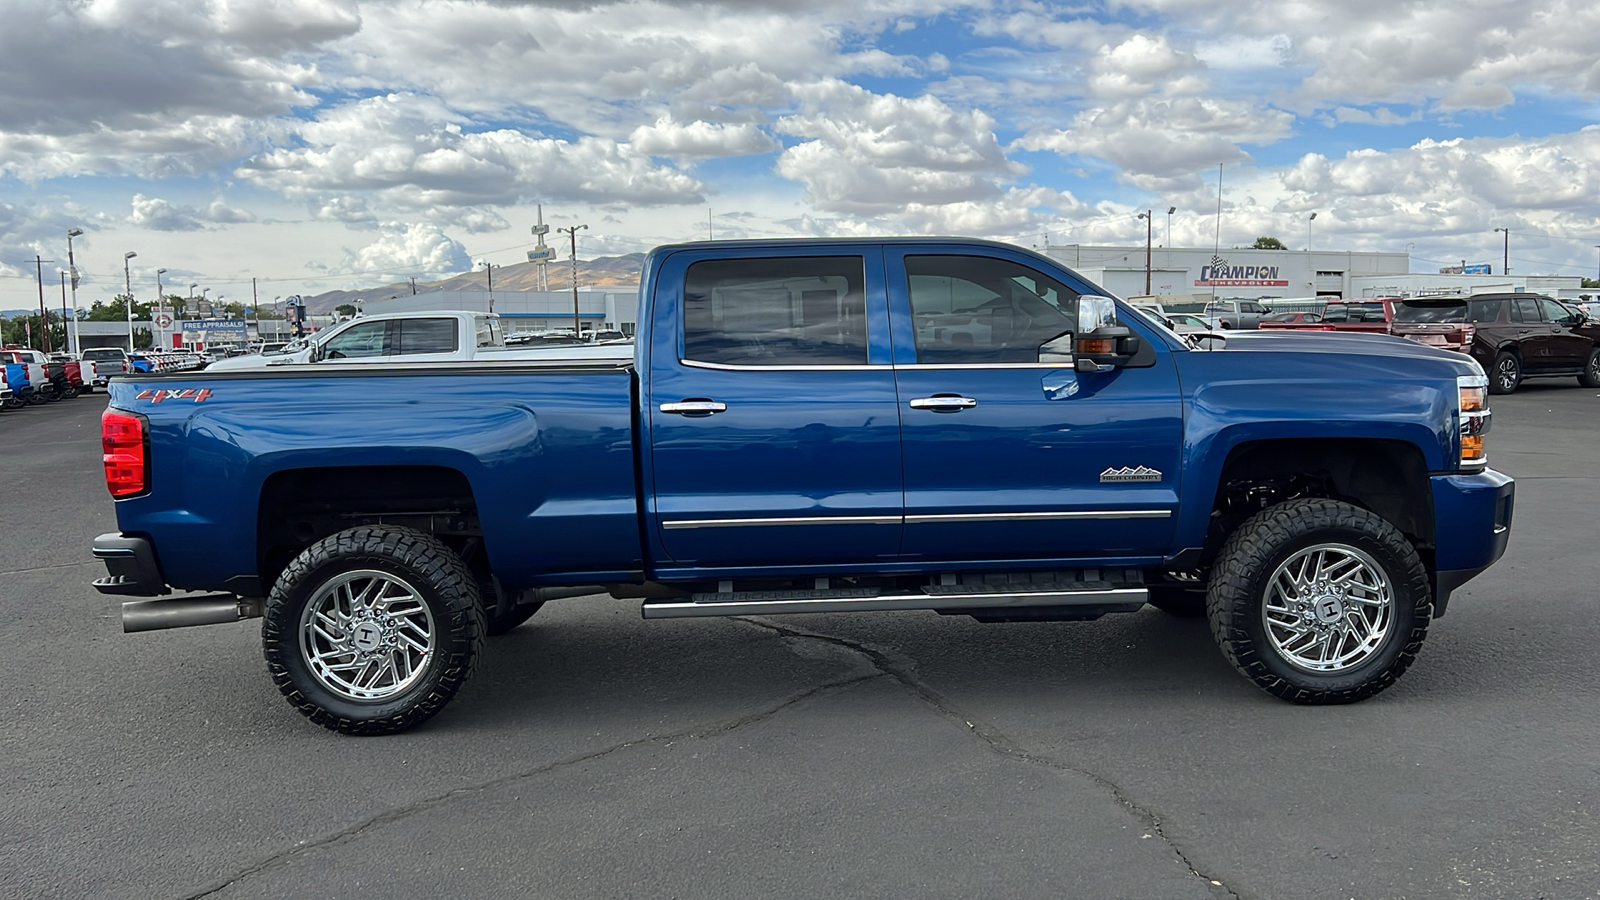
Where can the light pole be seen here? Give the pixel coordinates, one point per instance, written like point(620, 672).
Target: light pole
point(1148, 219)
point(577, 329)
point(1505, 260)
point(1309, 219)
point(1170, 211)
point(161, 306)
point(72, 336)
point(490, 270)
point(1597, 266)
point(127, 288)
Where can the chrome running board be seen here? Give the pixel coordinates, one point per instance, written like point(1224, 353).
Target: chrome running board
point(964, 598)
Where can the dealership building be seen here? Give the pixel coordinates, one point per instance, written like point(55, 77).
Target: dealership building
point(1191, 272)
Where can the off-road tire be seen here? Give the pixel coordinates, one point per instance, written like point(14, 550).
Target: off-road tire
point(1175, 600)
point(1591, 370)
point(502, 613)
point(443, 582)
point(1505, 374)
point(1248, 560)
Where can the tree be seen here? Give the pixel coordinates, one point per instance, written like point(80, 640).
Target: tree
point(345, 310)
point(1268, 243)
point(117, 310)
point(1591, 282)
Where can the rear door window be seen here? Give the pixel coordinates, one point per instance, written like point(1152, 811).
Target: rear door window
point(778, 311)
point(1525, 310)
point(426, 336)
point(1483, 312)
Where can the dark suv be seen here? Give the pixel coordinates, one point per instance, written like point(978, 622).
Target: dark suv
point(1513, 336)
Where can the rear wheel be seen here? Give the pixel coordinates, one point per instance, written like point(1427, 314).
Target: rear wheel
point(1591, 370)
point(1318, 601)
point(1506, 374)
point(372, 630)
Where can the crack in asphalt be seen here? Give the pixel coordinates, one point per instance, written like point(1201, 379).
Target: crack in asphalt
point(352, 832)
point(996, 741)
point(92, 562)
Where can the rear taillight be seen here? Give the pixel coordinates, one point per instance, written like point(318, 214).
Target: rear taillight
point(122, 436)
point(1468, 333)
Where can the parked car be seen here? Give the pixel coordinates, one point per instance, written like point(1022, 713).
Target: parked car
point(1187, 323)
point(1292, 318)
point(44, 388)
point(1236, 314)
point(800, 434)
point(16, 376)
point(1370, 315)
point(107, 361)
point(1513, 336)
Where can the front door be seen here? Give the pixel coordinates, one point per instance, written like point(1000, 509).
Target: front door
point(774, 430)
point(1008, 458)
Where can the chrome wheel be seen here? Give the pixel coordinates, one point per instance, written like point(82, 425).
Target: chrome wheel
point(367, 635)
point(1328, 608)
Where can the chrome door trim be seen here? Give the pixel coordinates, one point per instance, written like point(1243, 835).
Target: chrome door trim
point(1032, 365)
point(677, 524)
point(731, 367)
point(1040, 516)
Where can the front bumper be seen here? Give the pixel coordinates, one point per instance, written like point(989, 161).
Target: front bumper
point(1472, 521)
point(130, 566)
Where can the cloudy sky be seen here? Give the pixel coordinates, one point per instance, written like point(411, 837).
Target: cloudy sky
point(315, 144)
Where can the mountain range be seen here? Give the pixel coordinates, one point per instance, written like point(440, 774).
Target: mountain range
point(605, 271)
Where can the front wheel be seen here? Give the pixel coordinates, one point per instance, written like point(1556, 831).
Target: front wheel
point(1506, 374)
point(372, 630)
point(1318, 601)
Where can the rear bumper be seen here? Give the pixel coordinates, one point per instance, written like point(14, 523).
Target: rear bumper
point(1472, 516)
point(131, 569)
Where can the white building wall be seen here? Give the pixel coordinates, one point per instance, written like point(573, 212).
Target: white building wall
point(1247, 274)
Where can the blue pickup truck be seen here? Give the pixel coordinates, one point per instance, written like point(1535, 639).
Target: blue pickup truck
point(816, 426)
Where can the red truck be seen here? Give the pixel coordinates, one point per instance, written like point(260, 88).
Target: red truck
point(1371, 314)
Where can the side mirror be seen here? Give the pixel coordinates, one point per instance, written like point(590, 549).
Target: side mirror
point(1101, 341)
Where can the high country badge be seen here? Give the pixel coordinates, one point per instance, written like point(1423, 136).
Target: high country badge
point(1131, 473)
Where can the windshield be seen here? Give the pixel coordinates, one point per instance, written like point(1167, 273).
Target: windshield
point(1429, 312)
point(1353, 312)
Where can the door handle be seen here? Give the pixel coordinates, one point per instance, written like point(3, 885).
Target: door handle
point(694, 407)
point(944, 403)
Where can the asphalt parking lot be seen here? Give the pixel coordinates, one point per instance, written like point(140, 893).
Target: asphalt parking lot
point(883, 755)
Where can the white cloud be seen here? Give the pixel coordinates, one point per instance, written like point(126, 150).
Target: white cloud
point(409, 248)
point(414, 153)
point(700, 140)
point(871, 153)
point(157, 214)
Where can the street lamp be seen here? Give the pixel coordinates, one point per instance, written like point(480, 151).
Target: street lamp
point(72, 336)
point(577, 330)
point(1148, 219)
point(1505, 260)
point(1309, 219)
point(1170, 211)
point(489, 269)
point(161, 304)
point(127, 287)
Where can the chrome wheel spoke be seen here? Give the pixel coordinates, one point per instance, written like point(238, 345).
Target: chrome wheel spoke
point(367, 635)
point(1327, 608)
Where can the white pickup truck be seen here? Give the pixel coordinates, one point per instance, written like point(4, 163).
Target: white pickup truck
point(432, 336)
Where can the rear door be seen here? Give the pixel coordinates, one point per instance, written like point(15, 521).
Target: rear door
point(1008, 458)
point(774, 435)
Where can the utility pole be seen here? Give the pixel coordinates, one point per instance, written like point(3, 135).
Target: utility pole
point(1148, 217)
point(161, 309)
point(413, 285)
point(255, 304)
point(1505, 260)
point(577, 330)
point(487, 267)
point(44, 320)
point(73, 336)
point(127, 287)
point(66, 334)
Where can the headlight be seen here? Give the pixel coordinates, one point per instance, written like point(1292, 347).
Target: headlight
point(1473, 410)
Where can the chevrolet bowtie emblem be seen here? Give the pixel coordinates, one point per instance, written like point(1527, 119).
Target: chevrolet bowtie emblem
point(1131, 473)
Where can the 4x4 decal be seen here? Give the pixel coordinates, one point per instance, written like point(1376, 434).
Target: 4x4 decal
point(157, 396)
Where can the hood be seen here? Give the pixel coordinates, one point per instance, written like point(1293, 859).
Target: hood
point(1336, 342)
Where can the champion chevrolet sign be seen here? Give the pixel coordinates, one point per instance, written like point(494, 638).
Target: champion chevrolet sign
point(1220, 274)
